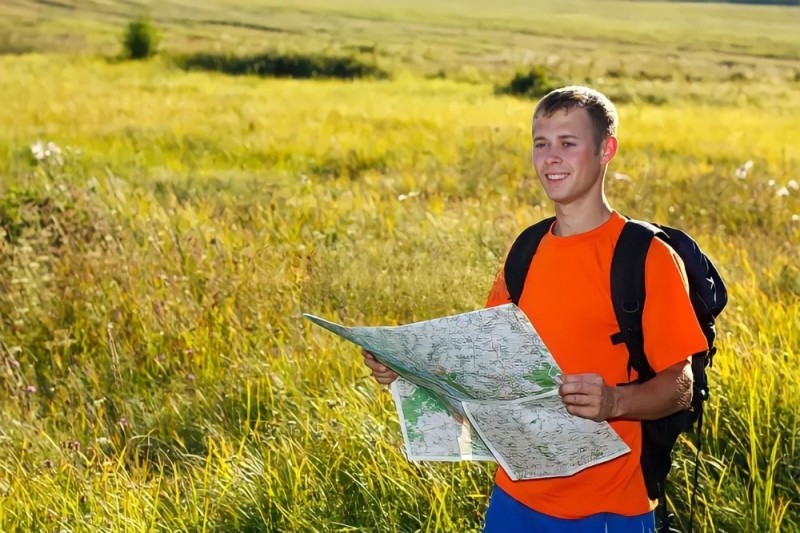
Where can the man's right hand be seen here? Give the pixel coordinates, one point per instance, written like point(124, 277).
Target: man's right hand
point(381, 373)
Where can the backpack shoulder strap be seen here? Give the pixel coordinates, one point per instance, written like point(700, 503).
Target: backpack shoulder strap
point(628, 291)
point(520, 256)
point(705, 283)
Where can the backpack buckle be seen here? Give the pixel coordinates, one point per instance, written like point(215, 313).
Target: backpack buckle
point(618, 338)
point(630, 306)
point(710, 357)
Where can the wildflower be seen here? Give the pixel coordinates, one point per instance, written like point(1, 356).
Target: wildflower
point(795, 218)
point(743, 170)
point(38, 151)
point(404, 197)
point(30, 389)
point(793, 185)
point(47, 152)
point(783, 191)
point(53, 151)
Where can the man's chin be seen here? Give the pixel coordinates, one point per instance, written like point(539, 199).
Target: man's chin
point(556, 198)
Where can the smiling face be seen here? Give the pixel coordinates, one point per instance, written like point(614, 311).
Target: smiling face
point(567, 159)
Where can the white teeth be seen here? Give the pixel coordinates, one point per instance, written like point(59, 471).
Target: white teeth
point(556, 177)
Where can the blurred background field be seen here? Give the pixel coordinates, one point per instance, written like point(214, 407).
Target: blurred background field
point(163, 223)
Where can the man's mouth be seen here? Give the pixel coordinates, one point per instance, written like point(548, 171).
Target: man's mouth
point(556, 176)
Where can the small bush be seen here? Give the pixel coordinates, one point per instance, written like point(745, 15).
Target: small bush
point(140, 39)
point(533, 83)
point(285, 65)
point(12, 45)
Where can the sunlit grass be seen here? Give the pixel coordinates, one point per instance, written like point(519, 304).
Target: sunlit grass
point(155, 371)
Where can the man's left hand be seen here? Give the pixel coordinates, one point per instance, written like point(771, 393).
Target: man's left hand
point(587, 396)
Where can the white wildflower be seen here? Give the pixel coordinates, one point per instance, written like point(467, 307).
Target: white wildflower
point(793, 185)
point(38, 151)
point(783, 191)
point(53, 149)
point(795, 218)
point(404, 197)
point(47, 152)
point(743, 170)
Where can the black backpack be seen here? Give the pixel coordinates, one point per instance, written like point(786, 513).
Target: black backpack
point(708, 296)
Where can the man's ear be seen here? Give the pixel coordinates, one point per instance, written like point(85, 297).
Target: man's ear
point(609, 149)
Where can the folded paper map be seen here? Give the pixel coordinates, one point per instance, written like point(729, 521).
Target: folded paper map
point(483, 386)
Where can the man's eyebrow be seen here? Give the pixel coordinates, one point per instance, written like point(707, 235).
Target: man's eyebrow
point(564, 136)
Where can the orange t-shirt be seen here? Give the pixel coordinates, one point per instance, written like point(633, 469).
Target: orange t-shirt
point(567, 297)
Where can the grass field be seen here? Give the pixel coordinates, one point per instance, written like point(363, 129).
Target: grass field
point(154, 370)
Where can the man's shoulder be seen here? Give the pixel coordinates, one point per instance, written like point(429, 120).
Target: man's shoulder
point(663, 260)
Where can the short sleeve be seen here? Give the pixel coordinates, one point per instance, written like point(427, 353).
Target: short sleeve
point(498, 295)
point(671, 331)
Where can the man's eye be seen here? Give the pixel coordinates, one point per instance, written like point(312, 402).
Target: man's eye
point(567, 143)
point(538, 145)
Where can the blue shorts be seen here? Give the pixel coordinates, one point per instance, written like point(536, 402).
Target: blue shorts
point(507, 515)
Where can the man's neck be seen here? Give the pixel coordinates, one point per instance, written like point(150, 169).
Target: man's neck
point(574, 219)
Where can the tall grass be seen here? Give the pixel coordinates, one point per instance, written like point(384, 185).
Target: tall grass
point(155, 260)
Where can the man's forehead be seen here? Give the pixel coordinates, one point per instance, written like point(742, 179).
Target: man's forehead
point(573, 121)
point(563, 114)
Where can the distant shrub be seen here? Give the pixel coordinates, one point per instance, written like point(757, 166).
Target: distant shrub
point(624, 94)
point(140, 39)
point(646, 75)
point(285, 65)
point(10, 45)
point(532, 83)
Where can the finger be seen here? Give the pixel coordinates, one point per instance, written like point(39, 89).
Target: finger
point(580, 387)
point(385, 378)
point(579, 400)
point(375, 366)
point(371, 362)
point(588, 377)
point(384, 373)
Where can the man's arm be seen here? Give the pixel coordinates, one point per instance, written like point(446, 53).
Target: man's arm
point(669, 391)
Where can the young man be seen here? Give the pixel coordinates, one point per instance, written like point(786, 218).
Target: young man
point(567, 297)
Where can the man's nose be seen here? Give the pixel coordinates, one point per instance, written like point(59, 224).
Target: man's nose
point(552, 157)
